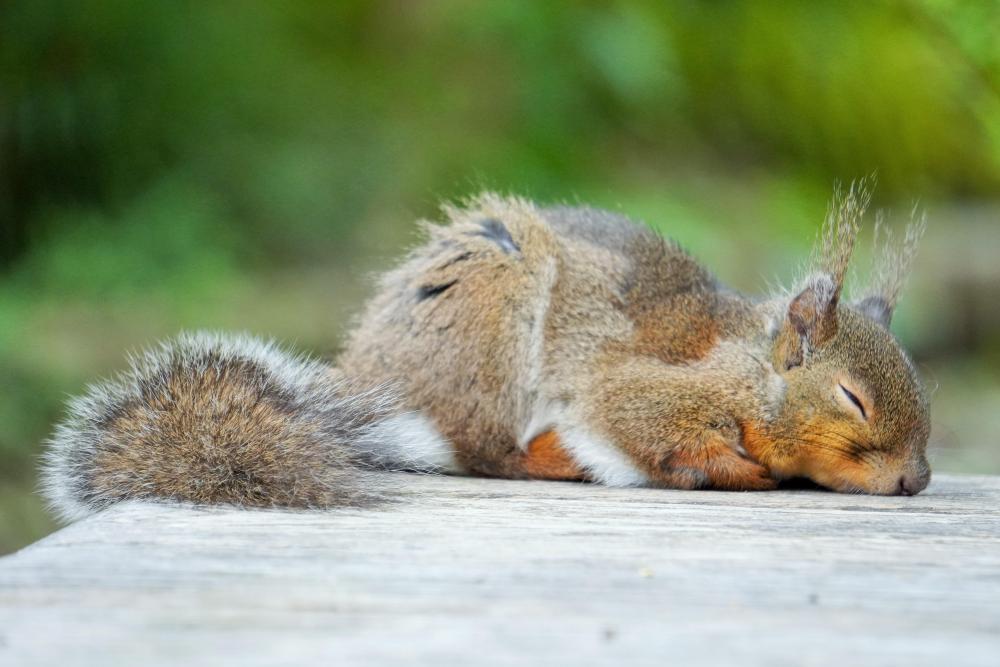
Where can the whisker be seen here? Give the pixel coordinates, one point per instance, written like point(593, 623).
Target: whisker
point(830, 442)
point(858, 449)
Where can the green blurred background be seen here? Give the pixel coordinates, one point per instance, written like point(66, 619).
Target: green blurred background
point(240, 165)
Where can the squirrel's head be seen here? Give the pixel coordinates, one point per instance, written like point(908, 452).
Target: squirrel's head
point(855, 416)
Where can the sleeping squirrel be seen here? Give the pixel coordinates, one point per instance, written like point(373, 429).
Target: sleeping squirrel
point(526, 342)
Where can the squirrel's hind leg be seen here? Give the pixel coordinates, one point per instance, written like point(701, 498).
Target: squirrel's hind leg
point(546, 458)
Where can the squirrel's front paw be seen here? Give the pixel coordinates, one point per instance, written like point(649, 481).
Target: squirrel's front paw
point(744, 476)
point(721, 463)
point(739, 471)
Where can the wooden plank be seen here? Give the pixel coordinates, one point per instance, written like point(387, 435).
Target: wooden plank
point(462, 571)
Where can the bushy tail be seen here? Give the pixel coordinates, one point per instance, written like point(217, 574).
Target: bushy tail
point(207, 418)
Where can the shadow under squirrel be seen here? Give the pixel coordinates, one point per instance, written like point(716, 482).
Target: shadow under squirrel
point(525, 342)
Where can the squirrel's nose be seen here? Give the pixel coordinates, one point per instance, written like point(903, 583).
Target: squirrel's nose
point(910, 485)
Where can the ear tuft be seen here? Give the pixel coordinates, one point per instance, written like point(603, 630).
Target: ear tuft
point(891, 266)
point(840, 230)
point(876, 308)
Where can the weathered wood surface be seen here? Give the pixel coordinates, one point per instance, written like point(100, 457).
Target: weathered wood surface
point(464, 571)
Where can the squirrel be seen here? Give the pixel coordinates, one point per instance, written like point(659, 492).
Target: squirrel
point(526, 342)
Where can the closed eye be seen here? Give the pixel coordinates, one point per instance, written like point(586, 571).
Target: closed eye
point(854, 399)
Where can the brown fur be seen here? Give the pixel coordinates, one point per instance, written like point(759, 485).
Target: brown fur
point(186, 440)
point(527, 342)
point(212, 419)
point(644, 349)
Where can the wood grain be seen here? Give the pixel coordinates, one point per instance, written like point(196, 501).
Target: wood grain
point(467, 571)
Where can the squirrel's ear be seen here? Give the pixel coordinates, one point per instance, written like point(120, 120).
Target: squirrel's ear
point(892, 263)
point(813, 311)
point(876, 308)
point(810, 321)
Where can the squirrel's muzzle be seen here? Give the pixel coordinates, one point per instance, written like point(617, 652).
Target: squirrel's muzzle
point(913, 482)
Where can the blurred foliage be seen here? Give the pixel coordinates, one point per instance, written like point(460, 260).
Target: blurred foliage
point(243, 165)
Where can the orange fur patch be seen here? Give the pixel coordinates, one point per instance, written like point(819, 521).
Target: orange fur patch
point(827, 463)
point(757, 444)
point(545, 459)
